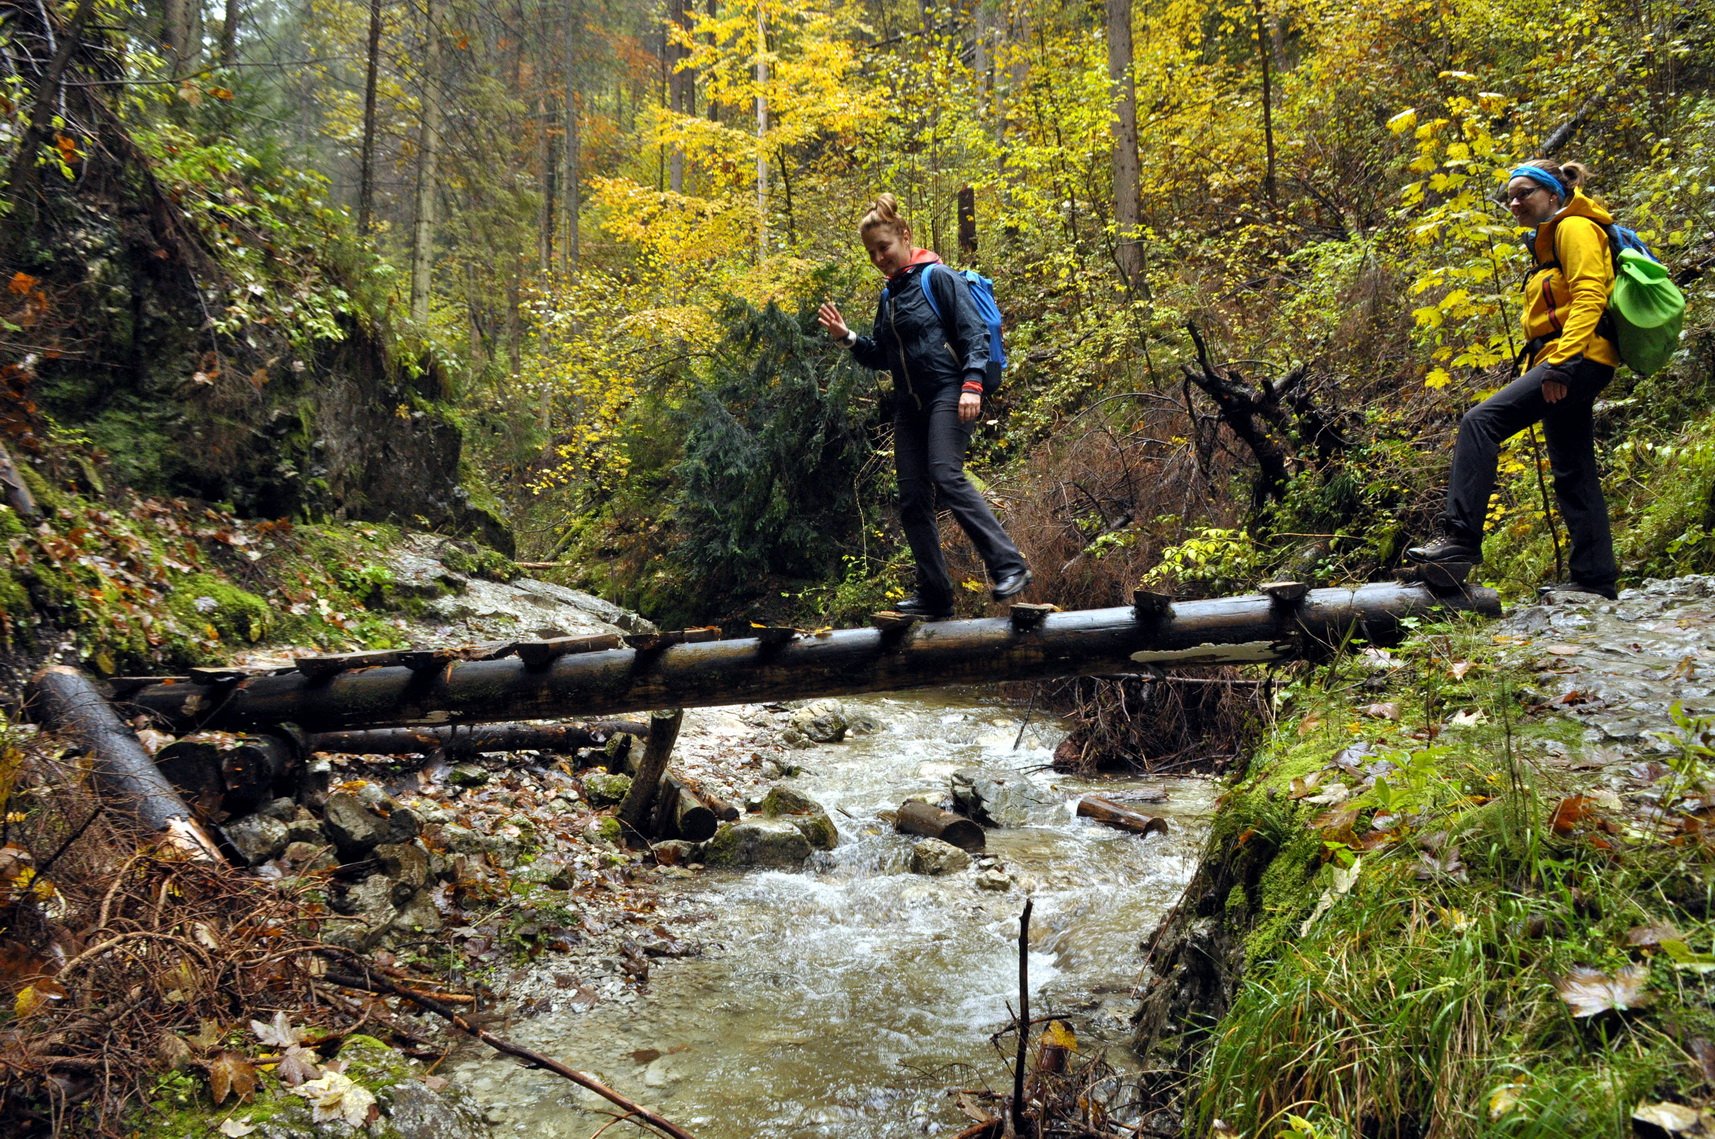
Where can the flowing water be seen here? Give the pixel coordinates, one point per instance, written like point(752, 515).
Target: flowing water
point(846, 999)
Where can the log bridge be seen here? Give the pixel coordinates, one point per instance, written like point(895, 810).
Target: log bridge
point(440, 692)
point(609, 674)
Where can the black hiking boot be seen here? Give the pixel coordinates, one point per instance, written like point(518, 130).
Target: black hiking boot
point(1012, 584)
point(917, 606)
point(1448, 548)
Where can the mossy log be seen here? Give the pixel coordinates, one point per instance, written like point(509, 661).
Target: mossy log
point(66, 701)
point(1253, 628)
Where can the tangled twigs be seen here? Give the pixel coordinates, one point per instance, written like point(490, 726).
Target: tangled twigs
point(368, 981)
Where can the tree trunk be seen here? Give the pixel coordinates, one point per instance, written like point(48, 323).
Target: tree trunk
point(64, 700)
point(428, 157)
point(1250, 629)
point(229, 34)
point(366, 156)
point(761, 133)
point(1265, 52)
point(917, 817)
point(180, 26)
point(1128, 241)
point(572, 192)
point(679, 85)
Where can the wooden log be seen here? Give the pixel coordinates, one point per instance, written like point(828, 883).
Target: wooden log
point(917, 817)
point(540, 654)
point(846, 661)
point(1116, 815)
point(473, 739)
point(681, 810)
point(66, 701)
point(1026, 616)
point(657, 750)
point(225, 774)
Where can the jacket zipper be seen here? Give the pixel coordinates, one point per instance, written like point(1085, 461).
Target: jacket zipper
point(899, 346)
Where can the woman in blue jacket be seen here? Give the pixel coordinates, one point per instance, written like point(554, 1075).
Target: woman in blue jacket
point(938, 368)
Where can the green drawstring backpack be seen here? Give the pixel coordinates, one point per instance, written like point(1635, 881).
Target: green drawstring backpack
point(1647, 308)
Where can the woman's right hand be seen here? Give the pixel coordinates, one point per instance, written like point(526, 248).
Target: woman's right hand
point(831, 320)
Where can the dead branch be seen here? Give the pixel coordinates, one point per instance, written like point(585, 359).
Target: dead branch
point(372, 983)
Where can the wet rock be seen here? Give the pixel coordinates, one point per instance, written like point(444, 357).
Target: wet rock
point(257, 838)
point(804, 813)
point(416, 1112)
point(467, 775)
point(305, 827)
point(604, 829)
point(762, 843)
point(605, 789)
point(817, 722)
point(285, 809)
point(308, 857)
point(406, 863)
point(675, 852)
point(355, 828)
point(995, 799)
point(934, 857)
point(418, 915)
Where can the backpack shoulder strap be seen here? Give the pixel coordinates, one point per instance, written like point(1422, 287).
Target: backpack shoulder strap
point(929, 293)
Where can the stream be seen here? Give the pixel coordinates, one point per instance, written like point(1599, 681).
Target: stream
point(849, 998)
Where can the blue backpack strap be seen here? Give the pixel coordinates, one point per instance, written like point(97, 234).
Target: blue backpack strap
point(928, 293)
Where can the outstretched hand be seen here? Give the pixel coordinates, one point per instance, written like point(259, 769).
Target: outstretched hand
point(828, 315)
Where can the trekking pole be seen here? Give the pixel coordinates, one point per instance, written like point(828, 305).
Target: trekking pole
point(1535, 448)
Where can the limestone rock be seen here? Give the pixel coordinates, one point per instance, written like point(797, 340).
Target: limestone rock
point(932, 857)
point(995, 799)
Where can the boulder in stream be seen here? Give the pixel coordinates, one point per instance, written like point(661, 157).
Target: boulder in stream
point(804, 813)
point(933, 857)
point(759, 843)
point(995, 798)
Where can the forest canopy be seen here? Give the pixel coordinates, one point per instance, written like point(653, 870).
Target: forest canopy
point(588, 235)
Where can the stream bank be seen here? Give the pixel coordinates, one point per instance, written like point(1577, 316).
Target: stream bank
point(1463, 889)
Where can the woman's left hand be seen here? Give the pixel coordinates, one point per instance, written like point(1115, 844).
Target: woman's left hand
point(970, 406)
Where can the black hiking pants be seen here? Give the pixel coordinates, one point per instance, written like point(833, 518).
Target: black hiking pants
point(1569, 428)
point(929, 457)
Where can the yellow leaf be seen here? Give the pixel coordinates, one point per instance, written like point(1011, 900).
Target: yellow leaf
point(1437, 378)
point(1403, 121)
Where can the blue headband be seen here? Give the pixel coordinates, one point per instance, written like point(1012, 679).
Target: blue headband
point(1542, 178)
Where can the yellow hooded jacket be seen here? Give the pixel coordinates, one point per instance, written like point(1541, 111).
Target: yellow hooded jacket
point(1566, 295)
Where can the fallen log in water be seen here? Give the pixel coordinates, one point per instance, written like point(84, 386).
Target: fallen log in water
point(473, 739)
point(917, 817)
point(64, 700)
point(1117, 815)
point(1255, 628)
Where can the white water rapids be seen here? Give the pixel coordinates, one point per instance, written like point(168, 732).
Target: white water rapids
point(847, 999)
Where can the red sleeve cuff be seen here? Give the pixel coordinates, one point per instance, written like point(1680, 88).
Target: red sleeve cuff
point(974, 386)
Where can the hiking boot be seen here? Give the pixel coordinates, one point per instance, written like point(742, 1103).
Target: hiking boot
point(918, 606)
point(1447, 548)
point(1012, 584)
point(1607, 591)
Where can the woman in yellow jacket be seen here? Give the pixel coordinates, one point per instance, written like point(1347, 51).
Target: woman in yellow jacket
point(1571, 357)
